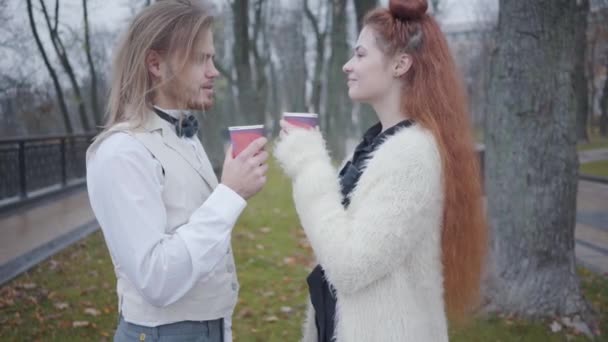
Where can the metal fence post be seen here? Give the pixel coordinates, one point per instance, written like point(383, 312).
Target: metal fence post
point(64, 176)
point(22, 170)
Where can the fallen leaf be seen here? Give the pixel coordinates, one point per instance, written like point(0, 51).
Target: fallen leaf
point(28, 286)
point(80, 324)
point(286, 309)
point(271, 319)
point(61, 305)
point(245, 313)
point(92, 311)
point(265, 230)
point(268, 294)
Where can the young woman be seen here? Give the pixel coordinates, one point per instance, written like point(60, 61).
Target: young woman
point(400, 233)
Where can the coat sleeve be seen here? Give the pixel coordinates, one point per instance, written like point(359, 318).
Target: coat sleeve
point(399, 202)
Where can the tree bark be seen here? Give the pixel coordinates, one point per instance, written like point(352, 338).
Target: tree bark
point(581, 89)
point(339, 106)
point(260, 60)
point(531, 164)
point(65, 62)
point(604, 110)
point(320, 37)
point(58, 90)
point(92, 71)
point(242, 61)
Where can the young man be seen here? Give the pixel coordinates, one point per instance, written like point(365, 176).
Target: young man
point(166, 220)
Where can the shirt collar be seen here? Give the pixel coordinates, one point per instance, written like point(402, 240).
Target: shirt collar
point(374, 136)
point(176, 113)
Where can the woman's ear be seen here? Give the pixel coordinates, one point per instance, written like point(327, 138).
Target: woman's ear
point(154, 63)
point(402, 63)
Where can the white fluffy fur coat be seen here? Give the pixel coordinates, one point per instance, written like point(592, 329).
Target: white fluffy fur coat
point(383, 253)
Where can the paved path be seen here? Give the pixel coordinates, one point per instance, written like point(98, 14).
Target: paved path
point(593, 155)
point(30, 235)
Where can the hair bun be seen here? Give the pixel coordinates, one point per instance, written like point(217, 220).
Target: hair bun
point(408, 9)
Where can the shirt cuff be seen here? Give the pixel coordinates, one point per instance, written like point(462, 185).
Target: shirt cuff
point(226, 203)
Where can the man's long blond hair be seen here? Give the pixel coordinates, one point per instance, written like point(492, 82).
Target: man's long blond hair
point(167, 27)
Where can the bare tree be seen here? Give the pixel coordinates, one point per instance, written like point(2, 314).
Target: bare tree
point(61, 51)
point(579, 74)
point(290, 49)
point(58, 90)
point(320, 41)
point(361, 8)
point(92, 71)
point(338, 113)
point(531, 164)
point(242, 56)
point(604, 109)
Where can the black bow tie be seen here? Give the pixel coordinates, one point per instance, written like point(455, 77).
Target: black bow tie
point(188, 126)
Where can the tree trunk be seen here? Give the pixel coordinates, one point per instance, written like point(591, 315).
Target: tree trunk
point(92, 72)
point(260, 60)
point(580, 79)
point(65, 62)
point(365, 115)
point(292, 55)
point(242, 60)
point(58, 90)
point(317, 80)
point(604, 110)
point(361, 8)
point(338, 104)
point(531, 164)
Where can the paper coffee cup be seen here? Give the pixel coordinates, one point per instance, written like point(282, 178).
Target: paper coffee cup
point(242, 136)
point(306, 120)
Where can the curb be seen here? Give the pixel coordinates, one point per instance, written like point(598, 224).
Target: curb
point(597, 179)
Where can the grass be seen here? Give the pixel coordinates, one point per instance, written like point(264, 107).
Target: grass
point(595, 141)
point(71, 296)
point(598, 168)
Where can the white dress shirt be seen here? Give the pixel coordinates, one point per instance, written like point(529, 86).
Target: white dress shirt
point(124, 182)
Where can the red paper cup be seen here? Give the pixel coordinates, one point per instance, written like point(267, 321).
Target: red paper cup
point(305, 120)
point(242, 136)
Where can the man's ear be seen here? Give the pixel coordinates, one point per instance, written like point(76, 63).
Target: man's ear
point(154, 63)
point(402, 63)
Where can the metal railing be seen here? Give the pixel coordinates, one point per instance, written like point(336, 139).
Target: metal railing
point(33, 165)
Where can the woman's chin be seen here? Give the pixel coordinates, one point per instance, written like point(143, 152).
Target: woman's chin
point(357, 97)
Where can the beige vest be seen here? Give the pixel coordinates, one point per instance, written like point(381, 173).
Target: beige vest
point(189, 180)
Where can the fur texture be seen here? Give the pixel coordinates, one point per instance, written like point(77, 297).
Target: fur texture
point(383, 253)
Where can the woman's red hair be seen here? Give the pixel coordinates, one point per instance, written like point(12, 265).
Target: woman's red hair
point(433, 96)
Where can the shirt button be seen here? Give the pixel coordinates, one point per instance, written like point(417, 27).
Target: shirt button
point(234, 286)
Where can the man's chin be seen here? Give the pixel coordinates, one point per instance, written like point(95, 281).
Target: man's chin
point(201, 105)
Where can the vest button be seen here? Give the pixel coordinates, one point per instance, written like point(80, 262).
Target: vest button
point(234, 286)
point(230, 268)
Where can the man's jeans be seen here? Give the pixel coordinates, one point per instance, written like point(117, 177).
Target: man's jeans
point(188, 331)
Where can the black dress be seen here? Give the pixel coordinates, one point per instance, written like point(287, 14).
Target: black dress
point(322, 294)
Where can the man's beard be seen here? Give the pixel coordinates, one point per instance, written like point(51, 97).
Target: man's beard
point(187, 97)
